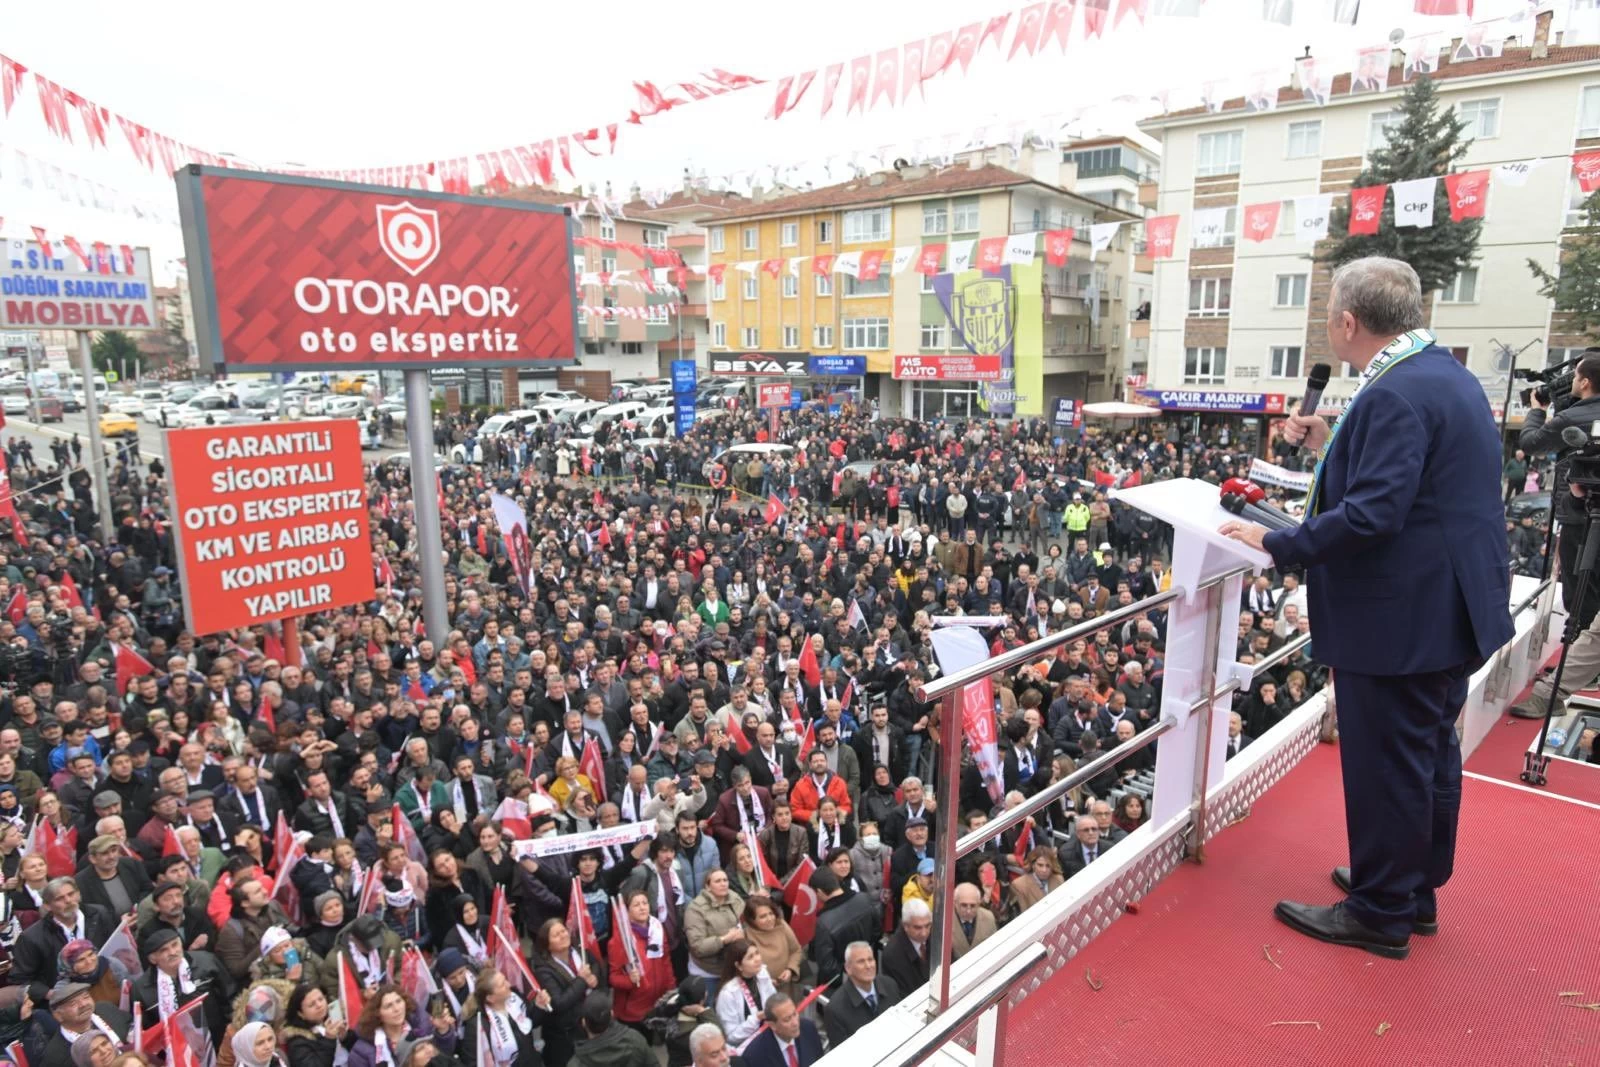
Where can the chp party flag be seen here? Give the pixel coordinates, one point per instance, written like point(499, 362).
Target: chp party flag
point(416, 978)
point(1261, 220)
point(406, 835)
point(1413, 202)
point(1469, 194)
point(1161, 234)
point(1057, 246)
point(507, 949)
point(1366, 208)
point(349, 987)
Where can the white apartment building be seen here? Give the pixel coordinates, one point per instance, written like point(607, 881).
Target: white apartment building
point(1236, 326)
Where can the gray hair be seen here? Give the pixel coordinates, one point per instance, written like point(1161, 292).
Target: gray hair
point(915, 909)
point(1384, 295)
point(774, 1002)
point(851, 948)
point(701, 1036)
point(55, 886)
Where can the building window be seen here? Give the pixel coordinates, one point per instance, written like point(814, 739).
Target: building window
point(655, 238)
point(1305, 139)
point(791, 337)
point(1463, 289)
point(791, 285)
point(1481, 116)
point(1218, 153)
point(593, 348)
point(824, 285)
point(1210, 296)
point(750, 238)
point(878, 286)
point(751, 287)
point(935, 218)
point(1378, 127)
point(789, 234)
point(719, 289)
point(608, 264)
point(719, 335)
point(1576, 198)
point(1205, 366)
point(932, 336)
point(824, 231)
point(964, 216)
point(822, 337)
point(1285, 361)
point(868, 224)
point(1462, 353)
point(1291, 291)
point(718, 238)
point(1589, 112)
point(632, 348)
point(926, 285)
point(750, 337)
point(608, 230)
point(866, 333)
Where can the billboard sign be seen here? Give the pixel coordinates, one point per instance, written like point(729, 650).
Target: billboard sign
point(838, 366)
point(1066, 413)
point(301, 274)
point(52, 287)
point(774, 396)
point(683, 410)
point(756, 364)
point(956, 368)
point(271, 520)
point(683, 376)
point(1213, 400)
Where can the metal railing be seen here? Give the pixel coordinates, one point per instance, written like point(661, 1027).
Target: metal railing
point(991, 992)
point(1282, 654)
point(948, 689)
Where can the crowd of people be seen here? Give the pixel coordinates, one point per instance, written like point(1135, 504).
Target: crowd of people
point(575, 828)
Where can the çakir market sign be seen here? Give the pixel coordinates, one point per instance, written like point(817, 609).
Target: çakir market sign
point(51, 288)
point(1211, 400)
point(271, 520)
point(300, 274)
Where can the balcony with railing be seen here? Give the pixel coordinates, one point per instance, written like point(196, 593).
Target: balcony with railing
point(1080, 233)
point(686, 239)
point(1076, 348)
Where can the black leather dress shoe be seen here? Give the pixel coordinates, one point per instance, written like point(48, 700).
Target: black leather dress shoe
point(1422, 924)
point(1338, 927)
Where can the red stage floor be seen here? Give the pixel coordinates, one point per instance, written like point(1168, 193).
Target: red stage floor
point(1500, 755)
point(1188, 980)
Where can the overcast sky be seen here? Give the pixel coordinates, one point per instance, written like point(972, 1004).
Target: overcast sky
point(336, 83)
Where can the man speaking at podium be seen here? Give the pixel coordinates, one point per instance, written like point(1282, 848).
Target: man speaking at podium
point(1404, 548)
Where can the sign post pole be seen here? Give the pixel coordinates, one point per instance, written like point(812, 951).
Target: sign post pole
point(33, 384)
point(291, 641)
point(425, 498)
point(97, 455)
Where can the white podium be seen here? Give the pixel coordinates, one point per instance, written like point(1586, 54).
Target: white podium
point(1202, 629)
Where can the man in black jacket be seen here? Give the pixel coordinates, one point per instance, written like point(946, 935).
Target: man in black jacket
point(864, 995)
point(35, 954)
point(173, 978)
point(905, 954)
point(76, 1014)
point(841, 921)
point(112, 879)
point(1540, 435)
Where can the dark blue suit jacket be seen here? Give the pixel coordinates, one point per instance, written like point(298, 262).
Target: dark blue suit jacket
point(1406, 558)
point(763, 1050)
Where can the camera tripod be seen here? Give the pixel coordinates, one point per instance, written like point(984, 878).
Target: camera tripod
point(1536, 761)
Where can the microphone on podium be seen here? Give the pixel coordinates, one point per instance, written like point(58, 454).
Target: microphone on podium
point(1241, 507)
point(1254, 494)
point(1315, 384)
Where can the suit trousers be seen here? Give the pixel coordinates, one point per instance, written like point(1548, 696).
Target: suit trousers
point(1401, 764)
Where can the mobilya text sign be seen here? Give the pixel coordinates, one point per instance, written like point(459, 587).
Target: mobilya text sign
point(61, 291)
point(1208, 400)
point(294, 273)
point(271, 520)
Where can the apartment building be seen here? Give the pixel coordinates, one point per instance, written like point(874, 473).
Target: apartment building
point(778, 302)
point(1237, 324)
point(683, 213)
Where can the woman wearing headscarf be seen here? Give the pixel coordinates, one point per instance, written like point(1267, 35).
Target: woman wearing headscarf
point(93, 1050)
point(470, 933)
point(568, 973)
point(329, 909)
point(255, 1045)
point(506, 1022)
point(310, 1036)
point(79, 962)
point(643, 975)
point(262, 1002)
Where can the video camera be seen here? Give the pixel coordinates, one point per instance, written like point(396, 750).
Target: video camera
point(1554, 390)
point(1582, 462)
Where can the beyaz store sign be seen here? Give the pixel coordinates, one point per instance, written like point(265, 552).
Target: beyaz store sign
point(54, 287)
point(767, 365)
point(297, 273)
point(953, 368)
point(1210, 400)
point(271, 520)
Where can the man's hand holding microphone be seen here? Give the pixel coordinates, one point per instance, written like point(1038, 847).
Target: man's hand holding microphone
point(1301, 431)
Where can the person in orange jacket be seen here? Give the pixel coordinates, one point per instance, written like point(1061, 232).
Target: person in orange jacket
point(808, 792)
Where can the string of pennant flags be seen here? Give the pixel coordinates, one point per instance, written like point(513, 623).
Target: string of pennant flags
point(878, 79)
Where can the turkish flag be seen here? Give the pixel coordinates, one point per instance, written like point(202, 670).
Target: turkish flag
point(871, 264)
point(1135, 7)
point(1027, 35)
point(1366, 208)
point(996, 29)
point(808, 740)
point(580, 922)
point(17, 610)
point(591, 764)
point(887, 67)
point(860, 78)
point(790, 90)
point(911, 70)
point(1058, 23)
point(44, 245)
point(70, 588)
point(170, 845)
point(1586, 166)
point(802, 901)
point(1095, 15)
point(808, 664)
point(130, 665)
point(1444, 7)
point(937, 53)
point(966, 45)
point(991, 253)
point(928, 260)
point(774, 510)
point(1057, 243)
point(1469, 194)
point(1261, 220)
point(1161, 233)
point(736, 735)
point(349, 988)
point(830, 84)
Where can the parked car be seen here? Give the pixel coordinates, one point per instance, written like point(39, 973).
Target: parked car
point(343, 406)
point(15, 403)
point(70, 402)
point(51, 409)
point(1536, 503)
point(126, 404)
point(206, 409)
point(117, 424)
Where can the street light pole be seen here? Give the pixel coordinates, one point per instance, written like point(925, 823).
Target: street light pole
point(1511, 376)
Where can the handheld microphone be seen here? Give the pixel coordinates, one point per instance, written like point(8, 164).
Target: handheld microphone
point(1254, 494)
point(1239, 506)
point(1315, 384)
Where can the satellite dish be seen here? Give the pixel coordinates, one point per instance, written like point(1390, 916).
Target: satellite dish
point(1396, 35)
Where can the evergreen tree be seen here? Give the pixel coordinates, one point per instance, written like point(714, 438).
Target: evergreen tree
point(1576, 289)
point(1424, 143)
point(115, 351)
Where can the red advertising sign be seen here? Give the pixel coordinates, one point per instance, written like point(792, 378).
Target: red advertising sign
point(778, 395)
point(271, 520)
point(296, 273)
point(955, 368)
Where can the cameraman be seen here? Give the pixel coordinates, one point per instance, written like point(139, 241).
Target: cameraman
point(1540, 435)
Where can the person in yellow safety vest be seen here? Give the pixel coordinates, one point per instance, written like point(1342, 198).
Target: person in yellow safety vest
point(1076, 516)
